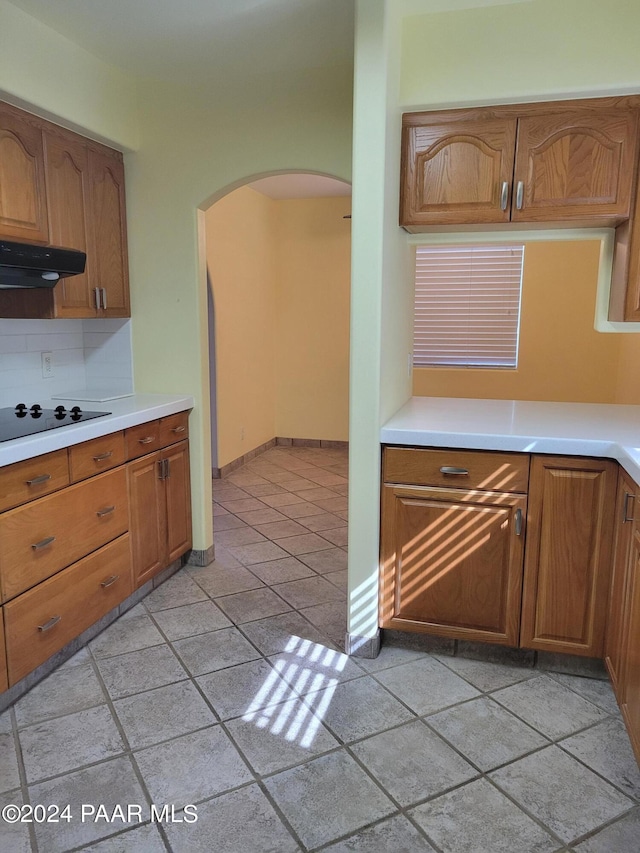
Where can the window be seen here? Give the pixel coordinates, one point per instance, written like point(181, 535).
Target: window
point(467, 306)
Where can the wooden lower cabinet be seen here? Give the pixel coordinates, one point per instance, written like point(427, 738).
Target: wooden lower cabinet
point(40, 622)
point(160, 507)
point(4, 683)
point(452, 562)
point(619, 601)
point(629, 689)
point(568, 558)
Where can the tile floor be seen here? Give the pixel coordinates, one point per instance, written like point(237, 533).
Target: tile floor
point(226, 688)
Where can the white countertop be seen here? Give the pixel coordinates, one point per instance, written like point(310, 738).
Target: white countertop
point(571, 429)
point(126, 412)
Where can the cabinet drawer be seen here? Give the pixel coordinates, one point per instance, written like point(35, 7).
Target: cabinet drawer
point(142, 439)
point(33, 478)
point(96, 456)
point(174, 428)
point(40, 622)
point(469, 469)
point(43, 537)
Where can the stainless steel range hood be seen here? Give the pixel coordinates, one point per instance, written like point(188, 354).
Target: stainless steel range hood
point(23, 265)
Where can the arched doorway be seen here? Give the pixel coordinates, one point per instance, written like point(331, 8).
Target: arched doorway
point(278, 275)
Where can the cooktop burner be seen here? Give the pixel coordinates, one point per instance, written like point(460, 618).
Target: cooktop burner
point(22, 421)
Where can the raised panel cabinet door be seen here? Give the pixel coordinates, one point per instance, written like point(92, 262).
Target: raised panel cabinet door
point(573, 165)
point(68, 196)
point(4, 683)
point(452, 562)
point(568, 559)
point(631, 704)
point(23, 198)
point(178, 499)
point(617, 621)
point(457, 172)
point(110, 265)
point(147, 513)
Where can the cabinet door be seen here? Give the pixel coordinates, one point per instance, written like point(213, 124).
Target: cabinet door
point(631, 675)
point(452, 562)
point(109, 238)
point(619, 599)
point(178, 497)
point(23, 199)
point(3, 655)
point(457, 172)
point(147, 518)
point(568, 561)
point(574, 165)
point(68, 194)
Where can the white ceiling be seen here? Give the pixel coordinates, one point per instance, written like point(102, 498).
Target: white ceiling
point(300, 186)
point(193, 42)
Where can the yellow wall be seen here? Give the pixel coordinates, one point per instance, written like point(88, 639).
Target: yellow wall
point(241, 263)
point(280, 276)
point(561, 356)
point(312, 355)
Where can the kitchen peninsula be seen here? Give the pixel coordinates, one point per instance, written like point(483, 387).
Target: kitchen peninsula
point(515, 523)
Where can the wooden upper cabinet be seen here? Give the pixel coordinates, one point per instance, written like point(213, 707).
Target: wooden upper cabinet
point(568, 558)
point(67, 171)
point(571, 161)
point(23, 200)
point(574, 164)
point(109, 238)
point(456, 172)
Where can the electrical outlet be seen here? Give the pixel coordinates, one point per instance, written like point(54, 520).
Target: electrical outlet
point(409, 364)
point(241, 433)
point(47, 365)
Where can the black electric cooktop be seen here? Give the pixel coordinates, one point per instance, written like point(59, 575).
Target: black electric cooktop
point(22, 420)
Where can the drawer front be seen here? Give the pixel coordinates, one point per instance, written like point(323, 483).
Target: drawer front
point(453, 469)
point(40, 622)
point(3, 656)
point(94, 457)
point(43, 537)
point(33, 478)
point(174, 428)
point(142, 439)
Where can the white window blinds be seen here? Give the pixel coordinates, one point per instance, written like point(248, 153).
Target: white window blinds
point(467, 305)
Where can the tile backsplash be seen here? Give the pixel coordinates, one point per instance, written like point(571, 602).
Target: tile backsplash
point(89, 354)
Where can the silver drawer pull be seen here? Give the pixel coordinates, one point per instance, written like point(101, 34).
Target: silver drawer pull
point(38, 480)
point(109, 581)
point(49, 625)
point(451, 469)
point(107, 510)
point(178, 429)
point(103, 456)
point(147, 440)
point(628, 499)
point(43, 543)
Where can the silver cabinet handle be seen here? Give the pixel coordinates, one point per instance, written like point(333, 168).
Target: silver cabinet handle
point(451, 469)
point(504, 195)
point(96, 291)
point(103, 456)
point(626, 507)
point(43, 543)
point(147, 440)
point(518, 524)
point(167, 469)
point(161, 469)
point(178, 429)
point(109, 581)
point(49, 625)
point(519, 194)
point(107, 510)
point(104, 298)
point(38, 480)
